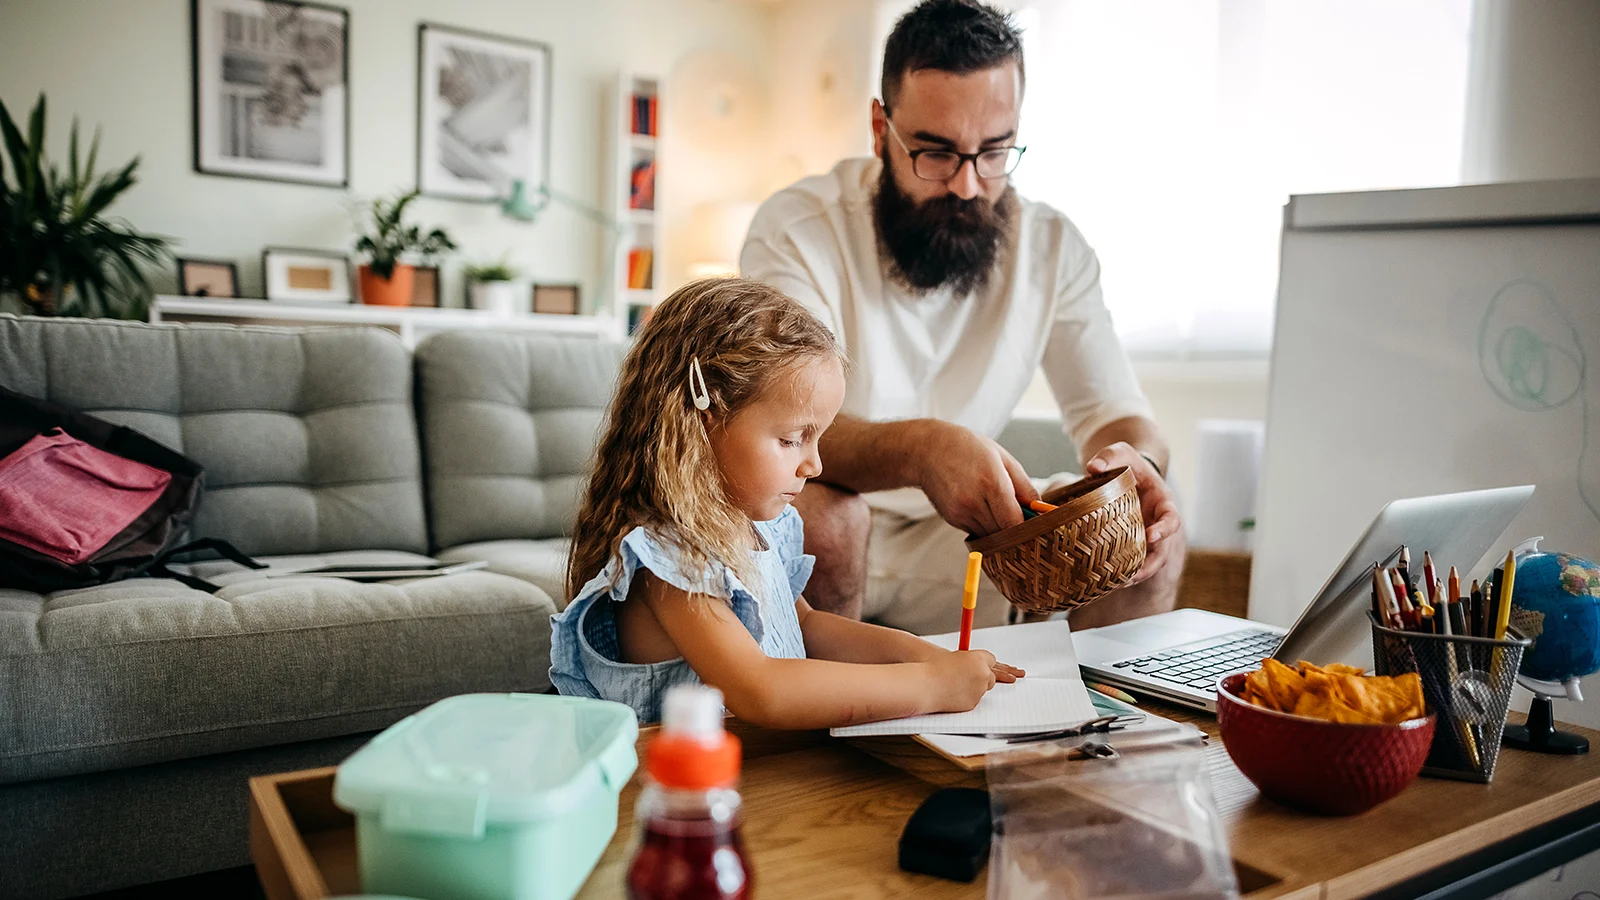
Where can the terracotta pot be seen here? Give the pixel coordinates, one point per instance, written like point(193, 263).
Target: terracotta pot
point(392, 291)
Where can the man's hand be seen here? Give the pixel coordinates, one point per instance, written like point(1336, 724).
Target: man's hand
point(972, 482)
point(1155, 500)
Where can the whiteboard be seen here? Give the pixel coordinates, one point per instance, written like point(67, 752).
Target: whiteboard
point(1423, 347)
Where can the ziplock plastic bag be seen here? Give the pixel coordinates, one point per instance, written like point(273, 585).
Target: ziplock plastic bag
point(1071, 825)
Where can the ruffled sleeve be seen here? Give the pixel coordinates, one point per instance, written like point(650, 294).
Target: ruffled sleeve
point(787, 536)
point(641, 550)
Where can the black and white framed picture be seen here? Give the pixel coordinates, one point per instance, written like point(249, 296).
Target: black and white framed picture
point(271, 90)
point(483, 114)
point(306, 276)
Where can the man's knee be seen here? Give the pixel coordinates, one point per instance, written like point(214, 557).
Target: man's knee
point(835, 520)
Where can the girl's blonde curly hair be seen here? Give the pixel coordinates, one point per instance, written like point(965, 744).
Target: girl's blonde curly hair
point(654, 466)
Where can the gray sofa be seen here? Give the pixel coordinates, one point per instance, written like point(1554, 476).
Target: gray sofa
point(132, 714)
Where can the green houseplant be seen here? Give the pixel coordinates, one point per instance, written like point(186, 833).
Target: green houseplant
point(58, 251)
point(492, 287)
point(385, 280)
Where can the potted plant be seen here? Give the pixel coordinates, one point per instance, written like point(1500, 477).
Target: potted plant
point(385, 280)
point(58, 251)
point(492, 288)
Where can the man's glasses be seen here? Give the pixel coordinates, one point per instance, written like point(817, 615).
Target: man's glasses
point(942, 165)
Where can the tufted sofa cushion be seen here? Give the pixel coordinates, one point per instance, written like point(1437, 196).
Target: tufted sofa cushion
point(509, 423)
point(147, 670)
point(306, 435)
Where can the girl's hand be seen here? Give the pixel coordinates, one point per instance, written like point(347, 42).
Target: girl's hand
point(961, 678)
point(1006, 674)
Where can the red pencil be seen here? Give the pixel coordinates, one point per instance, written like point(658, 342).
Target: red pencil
point(969, 598)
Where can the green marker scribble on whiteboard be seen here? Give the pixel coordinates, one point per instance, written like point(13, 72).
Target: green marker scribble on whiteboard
point(1532, 359)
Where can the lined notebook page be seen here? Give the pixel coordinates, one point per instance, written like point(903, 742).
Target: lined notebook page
point(1051, 696)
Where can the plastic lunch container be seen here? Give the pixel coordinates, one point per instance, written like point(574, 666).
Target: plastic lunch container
point(502, 796)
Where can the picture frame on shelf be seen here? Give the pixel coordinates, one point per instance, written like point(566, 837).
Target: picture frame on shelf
point(295, 275)
point(270, 90)
point(557, 299)
point(638, 315)
point(214, 278)
point(425, 286)
point(483, 114)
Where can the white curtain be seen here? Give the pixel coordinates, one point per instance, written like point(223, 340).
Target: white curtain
point(1173, 131)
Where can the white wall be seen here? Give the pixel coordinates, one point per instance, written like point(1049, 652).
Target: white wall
point(1533, 110)
point(124, 65)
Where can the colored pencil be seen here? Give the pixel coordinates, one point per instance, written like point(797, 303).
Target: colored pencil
point(969, 598)
point(1430, 579)
point(1502, 611)
point(1477, 610)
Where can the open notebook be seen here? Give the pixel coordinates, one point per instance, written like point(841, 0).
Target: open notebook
point(1052, 695)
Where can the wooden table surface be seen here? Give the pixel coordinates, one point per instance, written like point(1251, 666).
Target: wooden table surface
point(823, 818)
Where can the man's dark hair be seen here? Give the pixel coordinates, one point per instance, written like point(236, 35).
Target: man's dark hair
point(959, 36)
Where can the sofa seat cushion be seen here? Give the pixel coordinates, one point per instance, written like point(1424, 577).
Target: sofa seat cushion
point(148, 670)
point(541, 563)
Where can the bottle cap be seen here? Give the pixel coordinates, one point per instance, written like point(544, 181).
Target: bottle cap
point(693, 751)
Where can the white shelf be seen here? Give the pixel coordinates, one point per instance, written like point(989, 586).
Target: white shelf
point(411, 323)
point(641, 228)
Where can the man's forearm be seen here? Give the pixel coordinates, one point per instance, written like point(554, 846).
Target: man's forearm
point(865, 456)
point(1137, 431)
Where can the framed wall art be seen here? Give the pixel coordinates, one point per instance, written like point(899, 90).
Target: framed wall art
point(557, 299)
point(483, 114)
point(271, 90)
point(306, 276)
point(425, 286)
point(208, 278)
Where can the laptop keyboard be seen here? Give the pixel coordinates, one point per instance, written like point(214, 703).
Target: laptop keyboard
point(1200, 666)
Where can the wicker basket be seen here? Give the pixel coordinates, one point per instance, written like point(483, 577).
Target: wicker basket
point(1089, 545)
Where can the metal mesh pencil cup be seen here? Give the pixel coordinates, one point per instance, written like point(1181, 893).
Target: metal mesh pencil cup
point(1467, 682)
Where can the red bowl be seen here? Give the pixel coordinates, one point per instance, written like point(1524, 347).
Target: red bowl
point(1316, 765)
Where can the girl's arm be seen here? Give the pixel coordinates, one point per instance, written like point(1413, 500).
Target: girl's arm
point(809, 693)
point(846, 640)
point(829, 636)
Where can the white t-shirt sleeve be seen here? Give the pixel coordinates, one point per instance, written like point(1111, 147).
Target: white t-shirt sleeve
point(772, 257)
point(1089, 373)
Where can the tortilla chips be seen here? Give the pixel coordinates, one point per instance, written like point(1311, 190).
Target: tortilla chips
point(1337, 693)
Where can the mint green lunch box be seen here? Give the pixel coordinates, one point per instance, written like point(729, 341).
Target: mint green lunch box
point(489, 796)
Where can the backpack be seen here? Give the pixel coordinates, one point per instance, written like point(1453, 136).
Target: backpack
point(146, 545)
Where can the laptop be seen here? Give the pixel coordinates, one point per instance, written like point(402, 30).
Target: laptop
point(1180, 655)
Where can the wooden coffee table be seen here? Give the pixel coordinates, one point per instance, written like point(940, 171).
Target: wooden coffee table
point(823, 819)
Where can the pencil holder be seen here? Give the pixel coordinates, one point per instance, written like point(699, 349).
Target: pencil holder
point(1089, 545)
point(1467, 682)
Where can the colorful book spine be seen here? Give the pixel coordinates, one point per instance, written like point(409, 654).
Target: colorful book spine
point(642, 189)
point(640, 268)
point(644, 115)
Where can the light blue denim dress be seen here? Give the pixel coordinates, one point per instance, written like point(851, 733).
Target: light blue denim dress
point(585, 656)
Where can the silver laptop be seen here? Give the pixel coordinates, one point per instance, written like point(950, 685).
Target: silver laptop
point(1180, 655)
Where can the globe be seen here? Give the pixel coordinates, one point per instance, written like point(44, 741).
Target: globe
point(1557, 603)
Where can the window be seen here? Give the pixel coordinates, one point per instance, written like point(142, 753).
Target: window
point(1173, 131)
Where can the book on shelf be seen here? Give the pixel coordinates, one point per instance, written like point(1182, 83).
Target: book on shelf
point(644, 115)
point(640, 263)
point(642, 185)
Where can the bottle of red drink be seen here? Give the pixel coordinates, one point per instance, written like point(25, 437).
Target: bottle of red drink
point(688, 813)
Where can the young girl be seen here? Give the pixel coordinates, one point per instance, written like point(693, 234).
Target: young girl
point(687, 559)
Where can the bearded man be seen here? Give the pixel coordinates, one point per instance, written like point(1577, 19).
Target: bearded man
point(949, 291)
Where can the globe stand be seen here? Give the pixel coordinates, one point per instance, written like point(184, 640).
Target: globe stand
point(1540, 734)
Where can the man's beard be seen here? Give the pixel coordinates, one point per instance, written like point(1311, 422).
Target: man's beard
point(944, 242)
